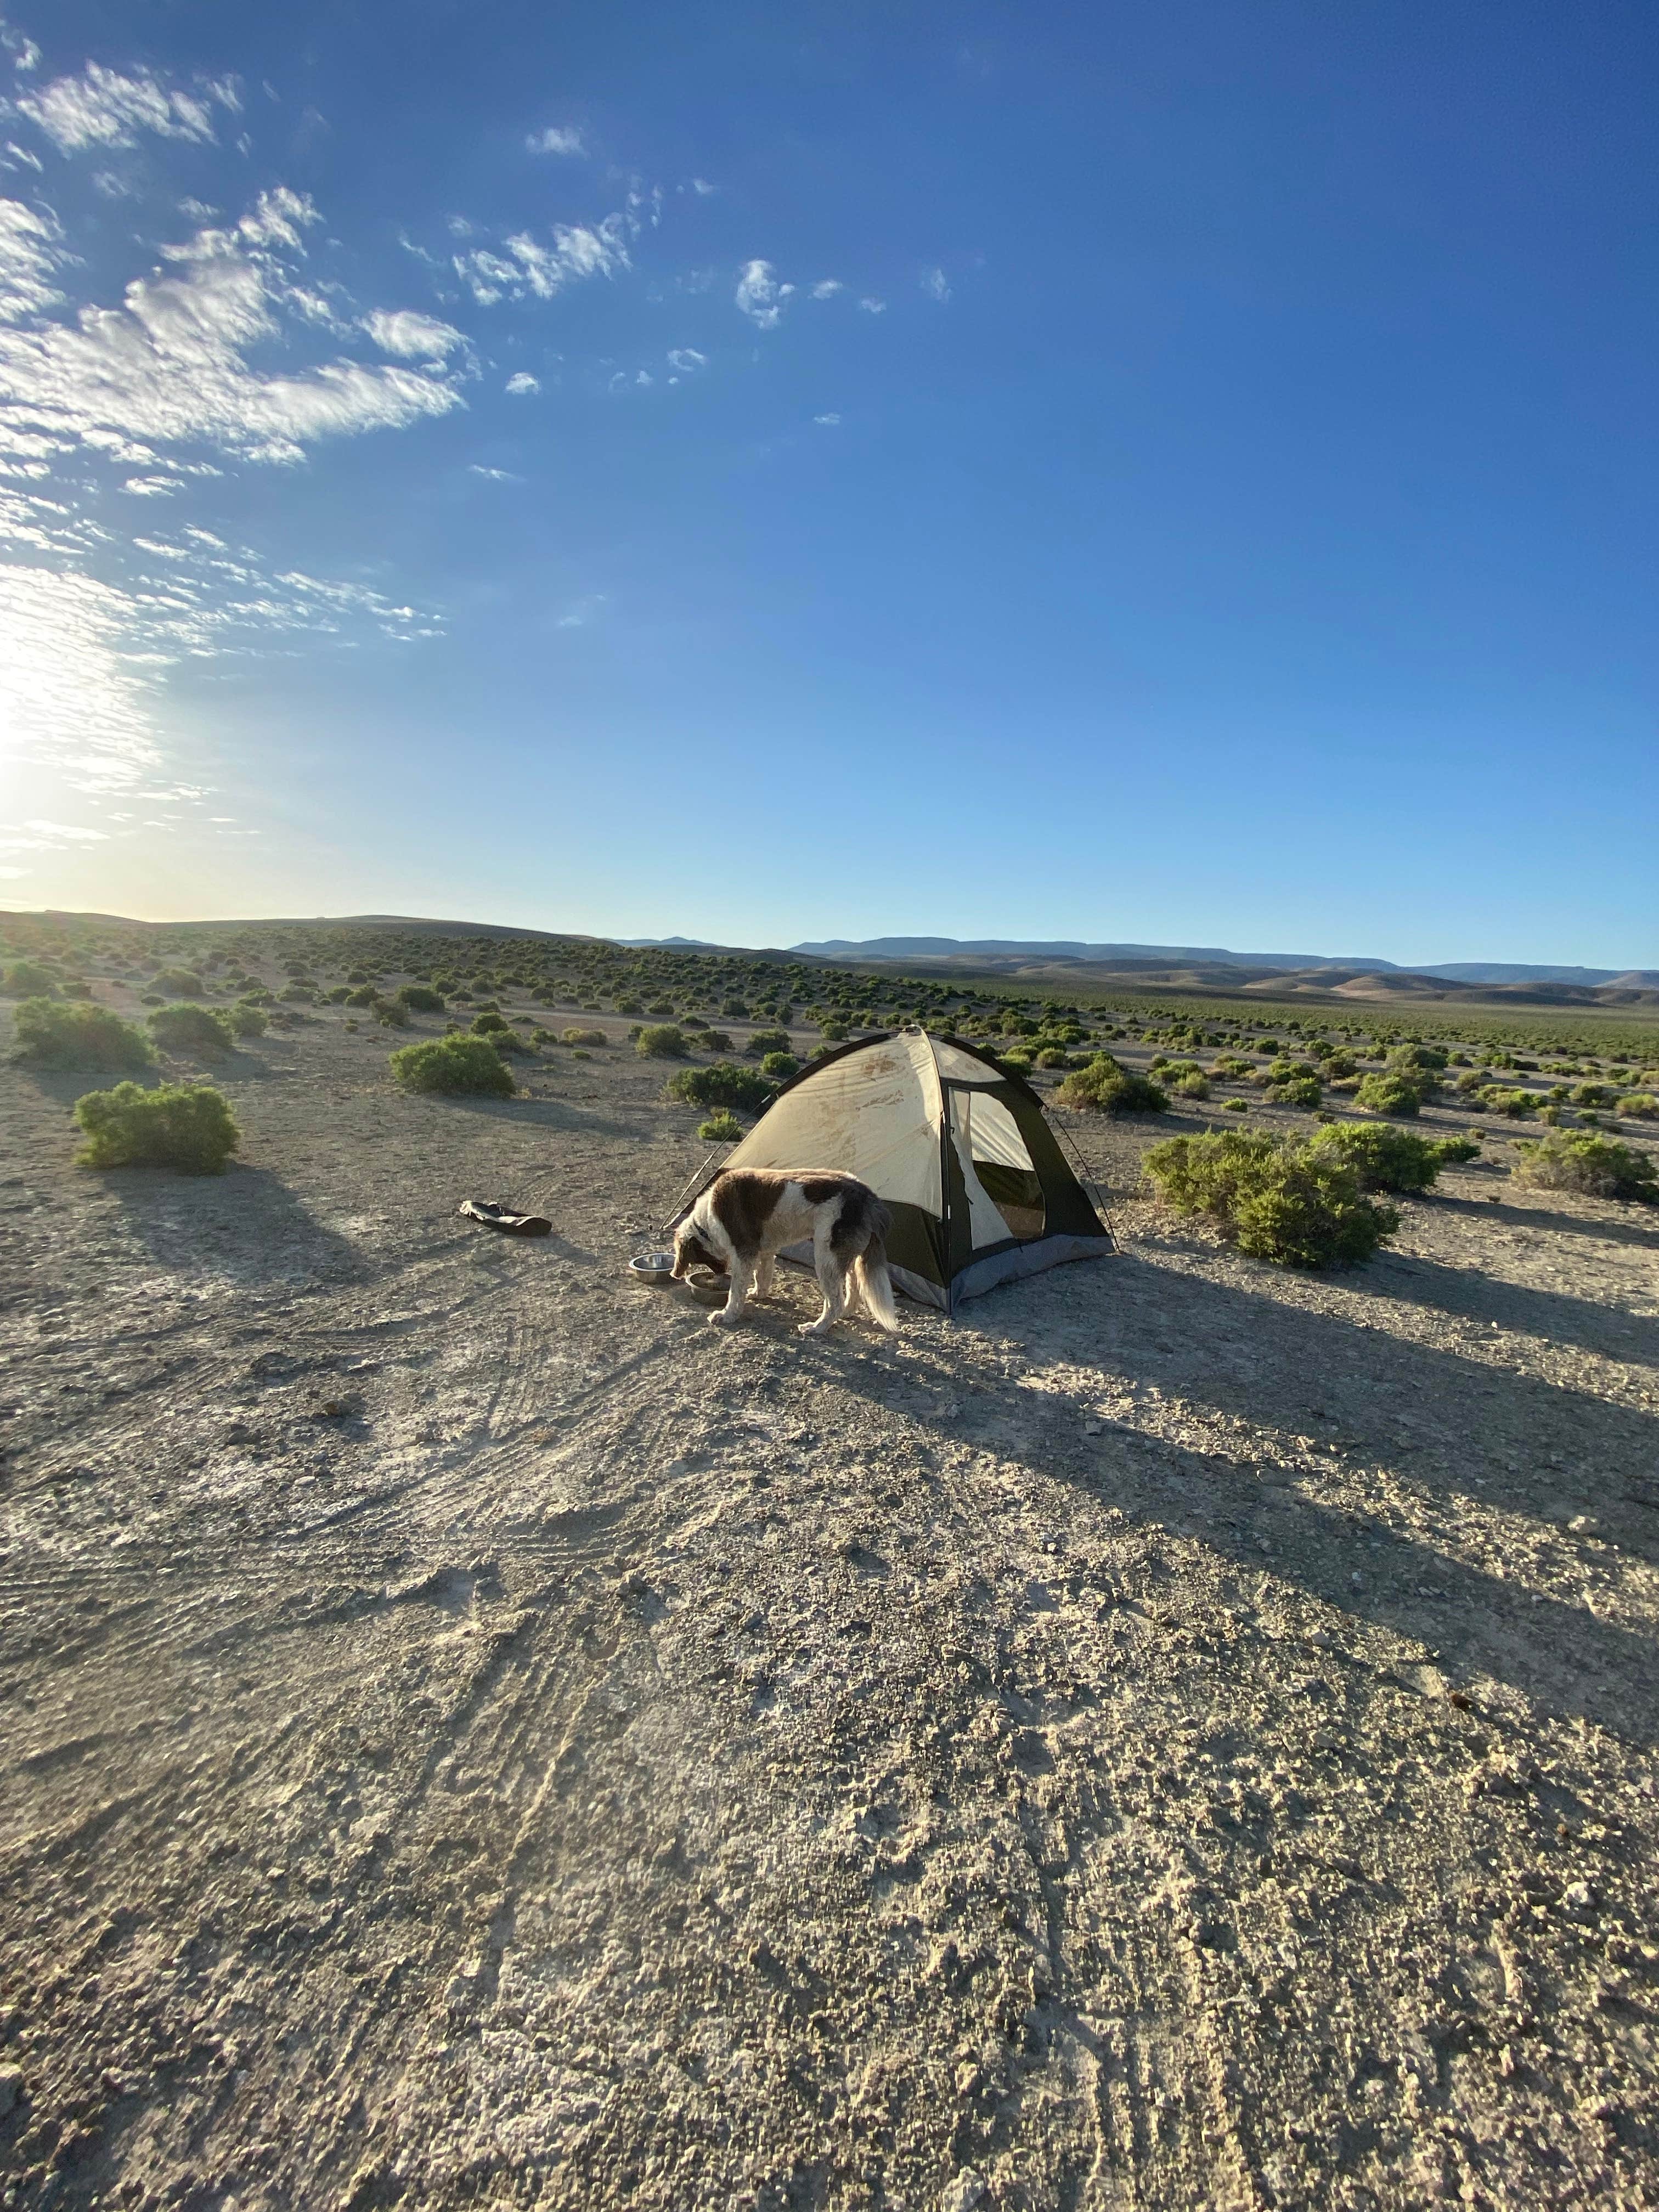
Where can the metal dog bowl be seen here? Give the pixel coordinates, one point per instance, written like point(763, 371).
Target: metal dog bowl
point(652, 1267)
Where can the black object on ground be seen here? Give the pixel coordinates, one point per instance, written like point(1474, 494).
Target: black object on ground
point(502, 1217)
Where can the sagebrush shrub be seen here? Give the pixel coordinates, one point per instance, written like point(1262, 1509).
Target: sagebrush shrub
point(1641, 1105)
point(27, 979)
point(765, 1040)
point(490, 1023)
point(78, 1034)
point(1195, 1086)
point(1596, 1165)
point(585, 1037)
point(716, 1040)
point(188, 1126)
point(1391, 1159)
point(182, 982)
point(1296, 1090)
point(246, 1021)
point(1288, 1203)
point(779, 1066)
point(1388, 1094)
point(460, 1065)
point(721, 1128)
point(420, 999)
point(1519, 1105)
point(1106, 1086)
point(663, 1041)
point(723, 1083)
point(202, 1031)
point(392, 1014)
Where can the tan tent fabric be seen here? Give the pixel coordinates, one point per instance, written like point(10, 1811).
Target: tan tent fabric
point(873, 1113)
point(959, 1148)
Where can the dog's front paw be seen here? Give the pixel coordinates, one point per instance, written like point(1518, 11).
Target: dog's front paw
point(720, 1319)
point(812, 1328)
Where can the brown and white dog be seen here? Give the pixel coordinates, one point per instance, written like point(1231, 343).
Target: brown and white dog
point(746, 1217)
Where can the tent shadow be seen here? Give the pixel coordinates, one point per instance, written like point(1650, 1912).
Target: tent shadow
point(1195, 1335)
point(246, 1225)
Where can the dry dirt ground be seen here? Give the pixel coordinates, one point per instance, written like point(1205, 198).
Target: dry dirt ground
point(1178, 1735)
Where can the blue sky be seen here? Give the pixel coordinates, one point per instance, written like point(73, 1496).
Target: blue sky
point(1179, 473)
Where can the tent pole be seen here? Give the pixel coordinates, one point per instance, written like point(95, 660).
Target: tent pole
point(698, 1175)
point(1084, 1176)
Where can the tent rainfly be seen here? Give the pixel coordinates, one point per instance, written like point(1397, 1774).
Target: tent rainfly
point(959, 1148)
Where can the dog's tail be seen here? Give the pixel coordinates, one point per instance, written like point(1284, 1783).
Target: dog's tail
point(875, 1283)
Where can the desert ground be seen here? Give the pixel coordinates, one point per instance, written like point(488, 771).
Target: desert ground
point(1178, 1734)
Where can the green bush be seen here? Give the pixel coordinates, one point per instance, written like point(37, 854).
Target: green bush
point(723, 1083)
point(1292, 1203)
point(1296, 1090)
point(1391, 1159)
point(79, 1035)
point(182, 982)
point(833, 1032)
point(1195, 1086)
point(364, 995)
point(188, 1126)
point(1105, 1086)
point(1519, 1105)
point(631, 1005)
point(779, 1066)
point(420, 998)
point(460, 1065)
point(1641, 1105)
point(74, 986)
point(392, 1014)
point(1595, 1165)
point(662, 1041)
point(201, 1030)
point(306, 994)
point(716, 1040)
point(27, 979)
point(721, 1128)
point(1236, 1106)
point(1592, 1094)
point(244, 1021)
point(585, 1036)
point(1388, 1094)
point(1052, 1055)
point(765, 1040)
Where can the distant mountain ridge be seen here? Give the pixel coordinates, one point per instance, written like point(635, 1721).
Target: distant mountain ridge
point(1464, 971)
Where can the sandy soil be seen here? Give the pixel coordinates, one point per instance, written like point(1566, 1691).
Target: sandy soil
point(1178, 1735)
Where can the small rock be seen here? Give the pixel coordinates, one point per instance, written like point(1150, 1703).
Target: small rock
point(1578, 1897)
point(962, 2191)
point(11, 2089)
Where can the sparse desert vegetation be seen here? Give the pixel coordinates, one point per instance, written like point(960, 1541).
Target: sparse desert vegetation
point(540, 1736)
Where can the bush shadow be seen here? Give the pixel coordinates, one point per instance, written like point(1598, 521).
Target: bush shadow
point(246, 1225)
point(1200, 1341)
point(1609, 1330)
point(1572, 1224)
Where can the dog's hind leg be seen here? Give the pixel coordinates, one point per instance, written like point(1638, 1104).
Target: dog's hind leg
point(766, 1275)
point(832, 1280)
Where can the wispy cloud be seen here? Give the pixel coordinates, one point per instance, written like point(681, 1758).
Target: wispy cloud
point(555, 140)
point(934, 284)
point(416, 337)
point(687, 359)
point(872, 307)
point(30, 244)
point(492, 476)
point(171, 364)
point(522, 383)
point(103, 108)
point(759, 294)
point(827, 422)
point(525, 267)
point(828, 287)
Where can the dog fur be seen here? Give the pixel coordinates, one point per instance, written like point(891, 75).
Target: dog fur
point(746, 1217)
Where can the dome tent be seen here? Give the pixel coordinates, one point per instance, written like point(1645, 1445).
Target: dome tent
point(959, 1148)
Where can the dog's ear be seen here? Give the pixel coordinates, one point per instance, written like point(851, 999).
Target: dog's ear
point(684, 1241)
